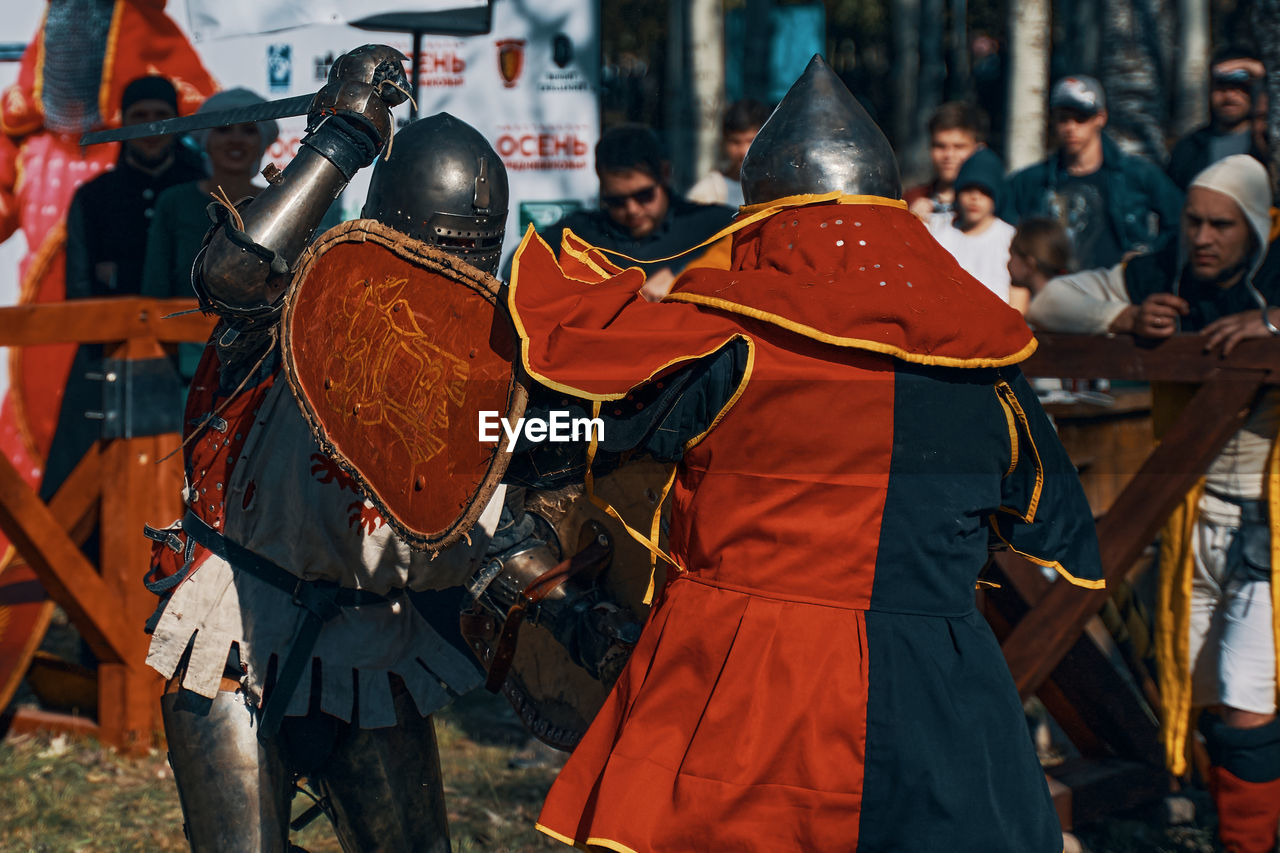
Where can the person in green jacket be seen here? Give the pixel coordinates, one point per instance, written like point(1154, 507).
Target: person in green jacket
point(234, 155)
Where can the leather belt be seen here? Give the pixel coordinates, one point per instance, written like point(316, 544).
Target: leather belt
point(321, 601)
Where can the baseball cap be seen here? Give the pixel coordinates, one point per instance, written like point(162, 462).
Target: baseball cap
point(1078, 92)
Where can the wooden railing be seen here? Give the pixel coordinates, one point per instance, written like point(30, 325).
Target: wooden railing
point(1041, 624)
point(121, 483)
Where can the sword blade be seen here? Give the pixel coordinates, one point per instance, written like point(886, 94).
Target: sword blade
point(283, 108)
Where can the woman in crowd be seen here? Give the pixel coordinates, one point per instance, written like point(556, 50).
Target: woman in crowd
point(233, 155)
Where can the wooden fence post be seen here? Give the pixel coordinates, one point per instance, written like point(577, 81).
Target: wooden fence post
point(138, 489)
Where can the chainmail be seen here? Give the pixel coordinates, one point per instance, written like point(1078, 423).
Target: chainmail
point(75, 45)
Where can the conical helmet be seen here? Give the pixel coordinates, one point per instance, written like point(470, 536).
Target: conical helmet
point(819, 140)
point(444, 184)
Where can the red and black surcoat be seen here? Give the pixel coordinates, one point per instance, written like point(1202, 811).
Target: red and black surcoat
point(855, 440)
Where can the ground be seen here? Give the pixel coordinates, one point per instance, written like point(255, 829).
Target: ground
point(62, 795)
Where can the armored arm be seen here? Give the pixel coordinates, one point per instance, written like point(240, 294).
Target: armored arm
point(526, 578)
point(244, 268)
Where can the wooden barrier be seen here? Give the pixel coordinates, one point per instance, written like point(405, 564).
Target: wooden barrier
point(1110, 715)
point(124, 482)
point(1041, 625)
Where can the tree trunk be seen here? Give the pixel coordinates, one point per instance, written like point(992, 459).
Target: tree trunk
point(1266, 25)
point(914, 155)
point(1085, 37)
point(755, 69)
point(678, 133)
point(959, 80)
point(1192, 66)
point(706, 63)
point(1136, 34)
point(1028, 82)
point(906, 73)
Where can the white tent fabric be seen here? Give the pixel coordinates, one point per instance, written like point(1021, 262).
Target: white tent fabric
point(213, 19)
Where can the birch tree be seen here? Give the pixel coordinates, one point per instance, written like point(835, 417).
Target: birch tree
point(1028, 82)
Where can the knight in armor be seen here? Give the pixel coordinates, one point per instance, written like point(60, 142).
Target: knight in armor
point(852, 438)
point(293, 627)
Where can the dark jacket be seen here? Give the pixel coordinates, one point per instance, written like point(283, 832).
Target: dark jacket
point(687, 224)
point(1135, 188)
point(1157, 273)
point(108, 222)
point(1191, 156)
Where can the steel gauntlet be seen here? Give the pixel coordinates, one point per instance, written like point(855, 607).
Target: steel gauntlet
point(350, 118)
point(531, 585)
point(245, 267)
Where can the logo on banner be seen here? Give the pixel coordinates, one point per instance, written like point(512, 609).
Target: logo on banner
point(320, 66)
point(510, 60)
point(561, 50)
point(563, 78)
point(441, 64)
point(543, 147)
point(279, 67)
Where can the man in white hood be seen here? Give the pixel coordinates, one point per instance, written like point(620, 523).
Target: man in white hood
point(1217, 632)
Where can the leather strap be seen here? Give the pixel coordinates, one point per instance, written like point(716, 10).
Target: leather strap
point(321, 601)
point(589, 560)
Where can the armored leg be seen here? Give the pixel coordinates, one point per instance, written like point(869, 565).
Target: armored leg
point(235, 791)
point(384, 786)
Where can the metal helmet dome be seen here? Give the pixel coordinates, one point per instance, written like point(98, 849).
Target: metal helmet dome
point(819, 140)
point(445, 185)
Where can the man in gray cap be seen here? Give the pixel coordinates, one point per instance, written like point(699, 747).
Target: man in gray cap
point(1111, 203)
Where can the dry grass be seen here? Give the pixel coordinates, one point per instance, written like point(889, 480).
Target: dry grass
point(60, 795)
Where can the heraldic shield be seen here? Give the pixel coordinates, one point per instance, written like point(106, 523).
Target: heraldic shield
point(393, 348)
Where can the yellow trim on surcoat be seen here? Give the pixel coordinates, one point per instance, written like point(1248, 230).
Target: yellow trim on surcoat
point(853, 343)
point(532, 234)
point(563, 839)
point(1087, 583)
point(592, 841)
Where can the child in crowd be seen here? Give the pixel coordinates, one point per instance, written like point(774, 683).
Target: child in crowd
point(1040, 250)
point(742, 120)
point(975, 236)
point(956, 130)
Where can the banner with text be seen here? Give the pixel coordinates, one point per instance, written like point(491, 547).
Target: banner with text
point(530, 86)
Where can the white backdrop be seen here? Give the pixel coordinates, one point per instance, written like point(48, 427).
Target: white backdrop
point(222, 18)
point(544, 121)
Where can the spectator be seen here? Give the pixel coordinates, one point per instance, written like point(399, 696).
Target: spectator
point(639, 216)
point(1106, 199)
point(1235, 85)
point(1040, 251)
point(1216, 641)
point(109, 216)
point(956, 130)
point(975, 236)
point(741, 122)
point(107, 226)
point(234, 154)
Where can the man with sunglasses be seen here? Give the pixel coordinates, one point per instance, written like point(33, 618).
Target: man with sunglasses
point(1235, 84)
point(639, 215)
